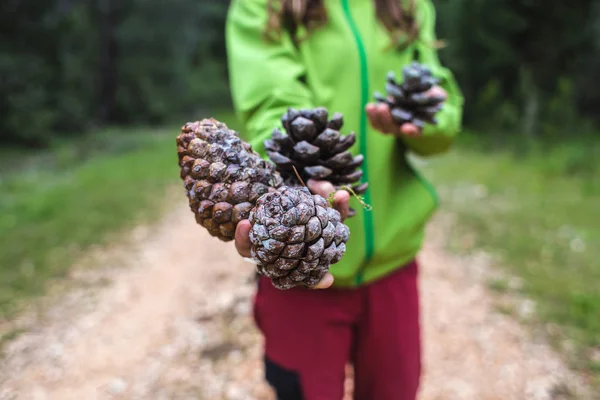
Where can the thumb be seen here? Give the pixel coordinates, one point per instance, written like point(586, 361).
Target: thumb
point(341, 199)
point(322, 188)
point(242, 238)
point(410, 129)
point(437, 91)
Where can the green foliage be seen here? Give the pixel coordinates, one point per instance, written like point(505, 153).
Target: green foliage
point(70, 66)
point(538, 62)
point(55, 203)
point(67, 199)
point(176, 65)
point(537, 214)
point(570, 159)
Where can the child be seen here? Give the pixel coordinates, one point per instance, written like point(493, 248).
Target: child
point(336, 54)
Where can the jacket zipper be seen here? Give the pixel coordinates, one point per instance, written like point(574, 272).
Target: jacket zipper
point(368, 218)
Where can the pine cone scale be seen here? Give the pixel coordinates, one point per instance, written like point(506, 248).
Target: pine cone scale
point(303, 129)
point(220, 172)
point(318, 172)
point(314, 148)
point(295, 236)
point(297, 243)
point(410, 101)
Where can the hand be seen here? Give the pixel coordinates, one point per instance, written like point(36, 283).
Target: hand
point(381, 119)
point(341, 202)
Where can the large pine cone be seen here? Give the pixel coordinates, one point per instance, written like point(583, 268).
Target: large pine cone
point(296, 236)
point(408, 102)
point(314, 146)
point(223, 176)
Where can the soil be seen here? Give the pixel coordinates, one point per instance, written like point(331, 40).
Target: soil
point(152, 321)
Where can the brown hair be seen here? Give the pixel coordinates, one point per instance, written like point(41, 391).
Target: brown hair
point(311, 14)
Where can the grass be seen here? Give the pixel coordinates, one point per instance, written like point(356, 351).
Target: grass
point(540, 216)
point(56, 203)
point(538, 212)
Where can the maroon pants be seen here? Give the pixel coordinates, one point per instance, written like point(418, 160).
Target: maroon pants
point(310, 336)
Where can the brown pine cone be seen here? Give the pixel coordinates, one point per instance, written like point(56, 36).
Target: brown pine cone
point(223, 176)
point(313, 145)
point(407, 101)
point(295, 237)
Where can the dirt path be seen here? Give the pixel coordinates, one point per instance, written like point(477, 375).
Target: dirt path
point(155, 323)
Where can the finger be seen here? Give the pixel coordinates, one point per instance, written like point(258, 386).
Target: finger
point(371, 110)
point(385, 119)
point(341, 202)
point(322, 188)
point(341, 198)
point(410, 129)
point(242, 238)
point(381, 110)
point(437, 91)
point(325, 282)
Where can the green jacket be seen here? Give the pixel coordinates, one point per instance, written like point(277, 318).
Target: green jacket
point(339, 67)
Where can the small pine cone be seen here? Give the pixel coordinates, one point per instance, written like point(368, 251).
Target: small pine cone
point(407, 101)
point(295, 237)
point(313, 145)
point(223, 176)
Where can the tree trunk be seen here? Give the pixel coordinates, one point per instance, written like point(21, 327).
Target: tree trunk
point(108, 47)
point(531, 104)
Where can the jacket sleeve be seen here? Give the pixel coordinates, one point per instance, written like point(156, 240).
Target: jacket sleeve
point(437, 138)
point(265, 77)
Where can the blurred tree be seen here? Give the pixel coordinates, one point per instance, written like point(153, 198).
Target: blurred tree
point(28, 59)
point(587, 92)
point(511, 57)
point(108, 15)
point(172, 59)
point(66, 65)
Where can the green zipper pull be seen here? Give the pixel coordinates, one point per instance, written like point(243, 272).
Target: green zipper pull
point(364, 80)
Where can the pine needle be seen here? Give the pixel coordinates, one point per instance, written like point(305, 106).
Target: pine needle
point(360, 199)
point(298, 176)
